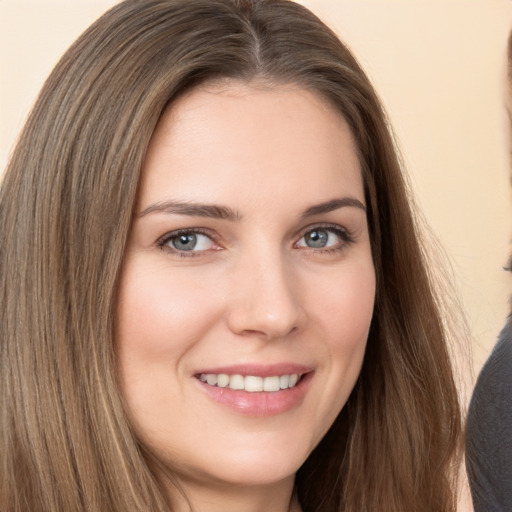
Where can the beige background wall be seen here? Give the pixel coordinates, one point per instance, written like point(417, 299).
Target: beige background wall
point(439, 67)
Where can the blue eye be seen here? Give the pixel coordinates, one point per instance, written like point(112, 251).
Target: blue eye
point(317, 239)
point(324, 238)
point(188, 241)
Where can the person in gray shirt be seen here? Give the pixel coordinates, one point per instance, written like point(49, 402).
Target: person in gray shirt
point(489, 426)
point(489, 431)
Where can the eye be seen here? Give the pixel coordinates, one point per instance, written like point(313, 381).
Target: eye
point(187, 241)
point(331, 238)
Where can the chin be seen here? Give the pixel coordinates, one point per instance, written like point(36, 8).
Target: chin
point(261, 464)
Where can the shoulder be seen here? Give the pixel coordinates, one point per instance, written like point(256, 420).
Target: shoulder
point(489, 429)
point(493, 391)
point(495, 378)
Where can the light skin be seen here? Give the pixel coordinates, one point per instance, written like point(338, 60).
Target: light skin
point(249, 254)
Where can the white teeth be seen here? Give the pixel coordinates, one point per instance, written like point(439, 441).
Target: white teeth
point(236, 382)
point(222, 380)
point(283, 381)
point(211, 378)
point(271, 384)
point(251, 383)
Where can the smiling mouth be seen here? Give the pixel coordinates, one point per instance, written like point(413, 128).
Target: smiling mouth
point(251, 383)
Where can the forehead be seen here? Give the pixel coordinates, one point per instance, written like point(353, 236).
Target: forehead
point(231, 135)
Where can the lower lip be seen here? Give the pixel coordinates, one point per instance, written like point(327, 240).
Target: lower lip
point(259, 403)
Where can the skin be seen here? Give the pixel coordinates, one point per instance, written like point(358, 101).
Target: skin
point(252, 292)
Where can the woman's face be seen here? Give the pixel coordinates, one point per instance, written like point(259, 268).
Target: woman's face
point(248, 286)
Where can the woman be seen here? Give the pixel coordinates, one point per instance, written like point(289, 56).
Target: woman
point(214, 293)
point(489, 426)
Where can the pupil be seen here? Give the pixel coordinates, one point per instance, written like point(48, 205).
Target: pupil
point(317, 239)
point(185, 242)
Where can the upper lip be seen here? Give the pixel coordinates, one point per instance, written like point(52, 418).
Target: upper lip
point(258, 370)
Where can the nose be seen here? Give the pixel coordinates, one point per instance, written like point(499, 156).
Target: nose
point(265, 298)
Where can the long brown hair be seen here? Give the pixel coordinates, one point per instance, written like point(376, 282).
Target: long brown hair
point(65, 212)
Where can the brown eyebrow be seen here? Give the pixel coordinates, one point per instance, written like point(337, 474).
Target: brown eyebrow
point(333, 204)
point(214, 211)
point(193, 209)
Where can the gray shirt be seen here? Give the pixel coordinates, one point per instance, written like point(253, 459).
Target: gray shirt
point(489, 431)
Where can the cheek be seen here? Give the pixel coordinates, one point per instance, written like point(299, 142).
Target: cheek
point(158, 310)
point(345, 313)
point(345, 307)
point(160, 319)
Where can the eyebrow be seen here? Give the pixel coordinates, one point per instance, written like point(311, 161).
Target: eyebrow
point(212, 211)
point(215, 211)
point(332, 205)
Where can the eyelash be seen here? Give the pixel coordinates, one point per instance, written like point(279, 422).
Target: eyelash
point(164, 240)
point(343, 234)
